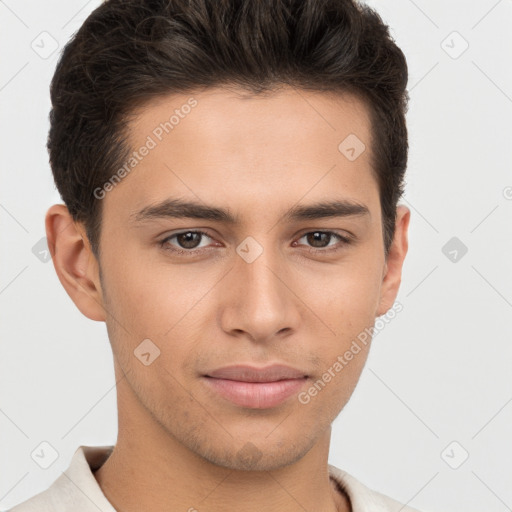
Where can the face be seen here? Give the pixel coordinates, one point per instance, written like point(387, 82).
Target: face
point(265, 278)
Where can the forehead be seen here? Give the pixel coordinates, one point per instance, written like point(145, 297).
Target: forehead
point(230, 115)
point(226, 146)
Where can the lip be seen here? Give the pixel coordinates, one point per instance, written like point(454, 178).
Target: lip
point(256, 388)
point(247, 373)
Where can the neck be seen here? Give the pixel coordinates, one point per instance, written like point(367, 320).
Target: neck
point(150, 470)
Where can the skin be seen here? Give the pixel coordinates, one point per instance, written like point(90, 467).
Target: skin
point(180, 445)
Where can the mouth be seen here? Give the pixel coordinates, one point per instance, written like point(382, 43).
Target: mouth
point(256, 388)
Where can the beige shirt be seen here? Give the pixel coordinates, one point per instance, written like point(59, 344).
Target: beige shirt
point(77, 490)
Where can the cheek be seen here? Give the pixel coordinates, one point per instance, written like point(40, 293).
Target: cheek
point(148, 296)
point(362, 282)
point(152, 298)
point(152, 302)
point(348, 293)
point(330, 391)
point(347, 302)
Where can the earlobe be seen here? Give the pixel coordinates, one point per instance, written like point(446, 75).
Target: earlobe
point(394, 262)
point(74, 262)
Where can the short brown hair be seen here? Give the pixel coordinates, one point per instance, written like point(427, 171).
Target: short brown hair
point(128, 52)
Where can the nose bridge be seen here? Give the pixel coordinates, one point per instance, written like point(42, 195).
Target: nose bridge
point(257, 269)
point(259, 301)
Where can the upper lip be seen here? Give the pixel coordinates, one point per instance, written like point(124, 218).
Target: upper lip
point(246, 373)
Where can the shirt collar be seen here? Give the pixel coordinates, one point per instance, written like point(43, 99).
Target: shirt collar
point(79, 481)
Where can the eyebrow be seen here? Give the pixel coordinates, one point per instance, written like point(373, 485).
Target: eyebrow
point(180, 208)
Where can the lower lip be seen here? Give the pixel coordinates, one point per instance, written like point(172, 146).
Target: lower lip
point(256, 395)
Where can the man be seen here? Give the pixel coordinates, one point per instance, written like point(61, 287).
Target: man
point(231, 174)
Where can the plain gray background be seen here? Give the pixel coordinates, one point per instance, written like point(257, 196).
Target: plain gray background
point(429, 423)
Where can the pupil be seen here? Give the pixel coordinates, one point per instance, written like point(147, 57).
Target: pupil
point(316, 236)
point(188, 241)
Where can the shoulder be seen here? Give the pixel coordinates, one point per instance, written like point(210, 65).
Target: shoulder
point(43, 501)
point(76, 489)
point(364, 499)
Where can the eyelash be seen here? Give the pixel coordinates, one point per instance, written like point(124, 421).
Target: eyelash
point(193, 252)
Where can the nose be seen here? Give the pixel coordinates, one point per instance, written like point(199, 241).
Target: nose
point(258, 299)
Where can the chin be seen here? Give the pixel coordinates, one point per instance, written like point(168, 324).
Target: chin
point(257, 456)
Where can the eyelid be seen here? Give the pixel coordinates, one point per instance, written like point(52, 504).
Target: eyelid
point(342, 234)
point(343, 240)
point(166, 239)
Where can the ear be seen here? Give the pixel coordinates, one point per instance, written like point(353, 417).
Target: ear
point(392, 274)
point(74, 261)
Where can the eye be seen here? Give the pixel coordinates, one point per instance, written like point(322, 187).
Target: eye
point(320, 241)
point(188, 242)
